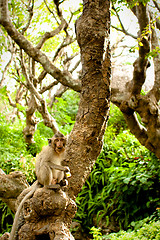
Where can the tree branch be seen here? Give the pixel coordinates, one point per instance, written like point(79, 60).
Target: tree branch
point(11, 186)
point(156, 5)
point(51, 34)
point(49, 121)
point(141, 63)
point(30, 10)
point(122, 26)
point(45, 88)
point(156, 59)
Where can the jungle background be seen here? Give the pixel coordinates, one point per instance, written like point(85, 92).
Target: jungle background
point(121, 198)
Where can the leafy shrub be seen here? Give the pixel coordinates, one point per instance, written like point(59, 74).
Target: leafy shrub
point(116, 119)
point(6, 218)
point(147, 232)
point(65, 109)
point(123, 186)
point(97, 235)
point(13, 153)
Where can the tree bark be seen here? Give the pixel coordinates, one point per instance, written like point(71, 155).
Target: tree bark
point(11, 186)
point(86, 138)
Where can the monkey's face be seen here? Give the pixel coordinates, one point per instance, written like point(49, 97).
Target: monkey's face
point(59, 144)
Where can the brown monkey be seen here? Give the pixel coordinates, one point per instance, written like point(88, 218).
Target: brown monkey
point(48, 164)
point(49, 171)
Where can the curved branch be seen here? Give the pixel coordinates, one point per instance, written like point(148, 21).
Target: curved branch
point(11, 186)
point(45, 88)
point(122, 26)
point(156, 60)
point(138, 130)
point(156, 5)
point(30, 10)
point(51, 34)
point(51, 11)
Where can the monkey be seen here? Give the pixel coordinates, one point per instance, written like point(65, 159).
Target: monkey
point(48, 164)
point(49, 171)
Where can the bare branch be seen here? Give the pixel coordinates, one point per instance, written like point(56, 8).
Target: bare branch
point(58, 93)
point(30, 10)
point(5, 69)
point(122, 26)
point(51, 11)
point(51, 34)
point(44, 89)
point(156, 5)
point(10, 101)
point(138, 130)
point(49, 121)
point(75, 66)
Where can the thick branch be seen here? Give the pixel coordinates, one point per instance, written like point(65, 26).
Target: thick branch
point(11, 186)
point(141, 64)
point(156, 5)
point(138, 130)
point(85, 141)
point(156, 59)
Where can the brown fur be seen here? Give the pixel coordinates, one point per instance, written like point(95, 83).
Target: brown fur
point(48, 163)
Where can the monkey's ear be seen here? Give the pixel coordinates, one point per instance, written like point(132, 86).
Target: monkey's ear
point(49, 141)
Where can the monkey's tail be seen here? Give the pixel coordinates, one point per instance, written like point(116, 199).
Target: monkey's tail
point(28, 195)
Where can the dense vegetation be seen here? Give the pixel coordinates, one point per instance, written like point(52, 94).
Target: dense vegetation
point(122, 189)
point(124, 184)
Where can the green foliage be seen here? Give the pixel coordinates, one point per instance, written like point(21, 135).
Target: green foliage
point(97, 235)
point(146, 232)
point(116, 120)
point(18, 13)
point(132, 3)
point(154, 53)
point(124, 184)
point(6, 218)
point(13, 153)
point(65, 109)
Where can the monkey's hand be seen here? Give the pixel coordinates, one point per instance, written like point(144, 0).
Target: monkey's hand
point(67, 172)
point(67, 169)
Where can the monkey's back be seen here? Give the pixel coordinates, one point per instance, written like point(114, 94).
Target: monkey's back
point(43, 157)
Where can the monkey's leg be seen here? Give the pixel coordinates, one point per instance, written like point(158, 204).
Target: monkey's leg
point(54, 181)
point(45, 175)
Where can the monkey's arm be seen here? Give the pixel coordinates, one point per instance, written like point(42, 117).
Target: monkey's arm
point(58, 167)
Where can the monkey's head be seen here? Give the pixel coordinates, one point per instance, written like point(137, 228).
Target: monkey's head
point(58, 142)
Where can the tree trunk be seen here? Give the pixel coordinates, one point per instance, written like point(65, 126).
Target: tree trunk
point(49, 213)
point(86, 138)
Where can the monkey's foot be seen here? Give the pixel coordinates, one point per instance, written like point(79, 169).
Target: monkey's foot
point(54, 187)
point(63, 183)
